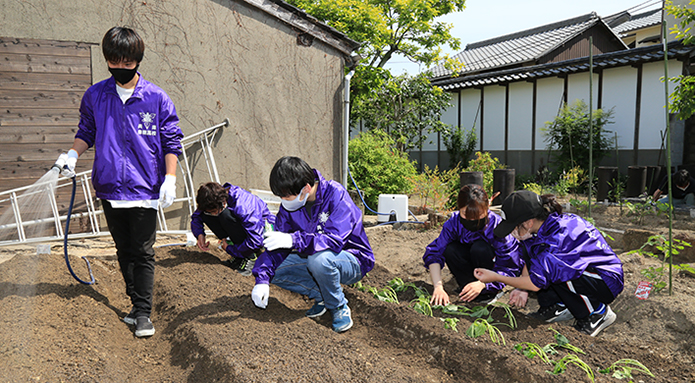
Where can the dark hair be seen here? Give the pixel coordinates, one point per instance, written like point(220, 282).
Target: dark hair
point(681, 178)
point(122, 44)
point(290, 175)
point(474, 199)
point(211, 196)
point(550, 205)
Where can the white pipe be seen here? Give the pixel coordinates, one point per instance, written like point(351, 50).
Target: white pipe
point(346, 126)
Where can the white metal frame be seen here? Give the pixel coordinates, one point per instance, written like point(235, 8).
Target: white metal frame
point(204, 138)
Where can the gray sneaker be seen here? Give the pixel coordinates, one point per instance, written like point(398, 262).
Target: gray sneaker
point(246, 266)
point(143, 327)
point(130, 318)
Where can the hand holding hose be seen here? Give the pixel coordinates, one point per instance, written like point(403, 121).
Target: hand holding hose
point(66, 163)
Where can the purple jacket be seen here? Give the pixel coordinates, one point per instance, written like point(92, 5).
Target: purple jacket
point(335, 224)
point(564, 247)
point(250, 210)
point(130, 140)
point(507, 260)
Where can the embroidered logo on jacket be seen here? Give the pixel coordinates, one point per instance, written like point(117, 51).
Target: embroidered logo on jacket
point(323, 218)
point(146, 128)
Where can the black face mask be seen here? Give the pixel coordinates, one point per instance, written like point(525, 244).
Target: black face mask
point(123, 76)
point(473, 224)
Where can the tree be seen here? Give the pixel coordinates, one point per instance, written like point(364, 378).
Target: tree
point(404, 107)
point(683, 96)
point(460, 145)
point(568, 136)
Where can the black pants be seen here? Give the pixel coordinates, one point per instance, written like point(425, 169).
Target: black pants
point(134, 231)
point(226, 225)
point(581, 296)
point(463, 258)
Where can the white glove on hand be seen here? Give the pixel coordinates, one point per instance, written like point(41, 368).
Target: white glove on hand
point(260, 295)
point(167, 192)
point(67, 161)
point(277, 240)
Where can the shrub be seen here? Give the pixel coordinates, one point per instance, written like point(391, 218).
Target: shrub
point(460, 144)
point(377, 167)
point(484, 162)
point(437, 188)
point(568, 136)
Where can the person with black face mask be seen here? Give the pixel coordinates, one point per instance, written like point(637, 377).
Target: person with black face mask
point(133, 126)
point(466, 242)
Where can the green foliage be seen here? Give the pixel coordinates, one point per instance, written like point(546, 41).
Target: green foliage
point(407, 107)
point(436, 188)
point(450, 323)
point(484, 162)
point(568, 136)
point(562, 364)
point(683, 96)
point(664, 248)
point(623, 369)
point(481, 326)
point(406, 28)
point(530, 350)
point(460, 145)
point(378, 168)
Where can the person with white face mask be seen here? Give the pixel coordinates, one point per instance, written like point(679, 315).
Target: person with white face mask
point(319, 242)
point(568, 262)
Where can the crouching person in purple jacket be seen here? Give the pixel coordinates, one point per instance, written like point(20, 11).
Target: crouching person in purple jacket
point(318, 244)
point(235, 216)
point(467, 242)
point(133, 127)
point(569, 263)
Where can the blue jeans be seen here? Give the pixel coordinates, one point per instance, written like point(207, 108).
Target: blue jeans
point(688, 200)
point(319, 276)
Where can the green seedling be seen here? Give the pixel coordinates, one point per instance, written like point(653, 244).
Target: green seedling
point(530, 350)
point(562, 342)
point(655, 274)
point(421, 305)
point(623, 369)
point(481, 326)
point(387, 294)
point(507, 314)
point(450, 323)
point(561, 365)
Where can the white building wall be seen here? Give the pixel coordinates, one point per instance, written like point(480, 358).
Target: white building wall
point(449, 117)
point(493, 118)
point(578, 88)
point(619, 92)
point(470, 115)
point(520, 115)
point(549, 99)
point(652, 109)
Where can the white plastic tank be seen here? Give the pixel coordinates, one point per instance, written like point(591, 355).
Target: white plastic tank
point(393, 204)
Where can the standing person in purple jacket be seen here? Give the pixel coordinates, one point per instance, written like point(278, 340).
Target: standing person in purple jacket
point(235, 216)
point(133, 127)
point(319, 242)
point(569, 263)
point(467, 242)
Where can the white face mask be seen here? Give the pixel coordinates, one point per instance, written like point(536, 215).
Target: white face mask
point(296, 203)
point(527, 233)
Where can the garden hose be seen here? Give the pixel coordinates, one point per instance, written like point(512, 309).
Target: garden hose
point(65, 239)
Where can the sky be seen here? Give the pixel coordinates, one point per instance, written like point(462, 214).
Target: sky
point(485, 19)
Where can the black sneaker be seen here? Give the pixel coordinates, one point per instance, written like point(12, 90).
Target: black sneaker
point(234, 263)
point(130, 318)
point(552, 313)
point(594, 323)
point(246, 266)
point(143, 327)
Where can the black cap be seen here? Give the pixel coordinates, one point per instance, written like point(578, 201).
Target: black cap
point(519, 207)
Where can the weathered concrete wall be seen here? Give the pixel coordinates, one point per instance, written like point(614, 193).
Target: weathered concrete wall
point(216, 59)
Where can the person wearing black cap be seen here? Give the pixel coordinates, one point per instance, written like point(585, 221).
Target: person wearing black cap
point(568, 262)
point(466, 242)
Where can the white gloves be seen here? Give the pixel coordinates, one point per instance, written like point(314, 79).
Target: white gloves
point(67, 162)
point(277, 240)
point(167, 192)
point(260, 295)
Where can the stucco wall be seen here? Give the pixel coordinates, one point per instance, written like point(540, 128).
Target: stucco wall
point(216, 59)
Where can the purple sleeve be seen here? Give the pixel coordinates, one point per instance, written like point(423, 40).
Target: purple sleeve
point(508, 261)
point(169, 127)
point(434, 253)
point(335, 232)
point(86, 127)
point(268, 261)
point(251, 210)
point(197, 224)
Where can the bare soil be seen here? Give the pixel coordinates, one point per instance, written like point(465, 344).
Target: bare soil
point(54, 329)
